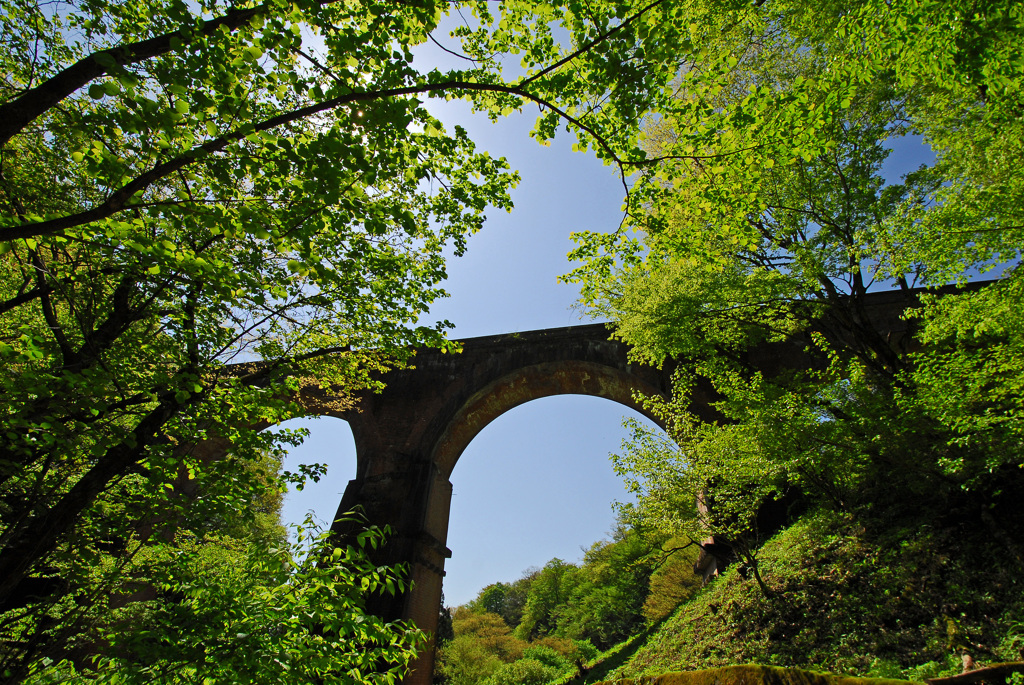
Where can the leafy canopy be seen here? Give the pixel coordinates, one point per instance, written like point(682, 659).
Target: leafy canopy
point(762, 224)
point(212, 210)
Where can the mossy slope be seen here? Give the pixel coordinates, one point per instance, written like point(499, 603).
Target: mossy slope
point(754, 675)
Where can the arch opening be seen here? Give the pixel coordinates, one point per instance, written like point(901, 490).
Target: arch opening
point(329, 443)
point(530, 383)
point(534, 484)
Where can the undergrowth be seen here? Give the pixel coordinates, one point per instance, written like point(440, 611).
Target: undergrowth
point(895, 601)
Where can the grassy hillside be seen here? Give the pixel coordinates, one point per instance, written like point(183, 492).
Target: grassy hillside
point(905, 590)
point(897, 601)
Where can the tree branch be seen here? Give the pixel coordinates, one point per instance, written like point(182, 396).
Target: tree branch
point(22, 110)
point(590, 45)
point(120, 198)
point(39, 535)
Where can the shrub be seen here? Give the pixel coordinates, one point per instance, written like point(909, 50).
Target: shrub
point(527, 671)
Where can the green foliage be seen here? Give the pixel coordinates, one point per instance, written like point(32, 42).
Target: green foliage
point(598, 601)
point(209, 207)
point(508, 600)
point(971, 372)
point(482, 644)
point(549, 593)
point(526, 671)
point(776, 88)
point(760, 227)
point(231, 613)
point(754, 674)
point(445, 629)
point(492, 598)
point(673, 581)
point(549, 660)
point(611, 587)
point(465, 661)
point(572, 612)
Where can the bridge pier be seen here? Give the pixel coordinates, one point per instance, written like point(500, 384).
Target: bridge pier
point(414, 503)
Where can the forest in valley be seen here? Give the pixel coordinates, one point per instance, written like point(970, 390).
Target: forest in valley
point(553, 621)
point(210, 207)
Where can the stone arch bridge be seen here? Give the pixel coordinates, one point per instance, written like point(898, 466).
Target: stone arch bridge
point(409, 437)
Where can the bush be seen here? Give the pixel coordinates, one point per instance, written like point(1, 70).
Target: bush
point(527, 671)
point(465, 661)
point(547, 656)
point(482, 644)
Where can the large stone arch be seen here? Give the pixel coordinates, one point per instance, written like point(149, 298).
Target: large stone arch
point(409, 438)
point(531, 383)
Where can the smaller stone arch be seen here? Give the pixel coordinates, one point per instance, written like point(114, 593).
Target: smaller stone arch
point(330, 441)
